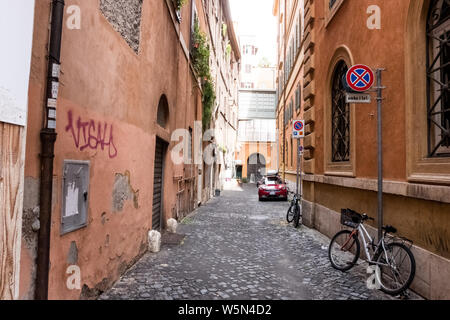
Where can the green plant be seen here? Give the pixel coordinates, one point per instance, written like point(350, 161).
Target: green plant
point(200, 52)
point(200, 60)
point(187, 220)
point(244, 180)
point(224, 29)
point(208, 100)
point(228, 50)
point(179, 4)
point(223, 149)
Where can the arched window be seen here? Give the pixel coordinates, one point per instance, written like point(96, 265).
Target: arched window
point(340, 116)
point(438, 73)
point(163, 111)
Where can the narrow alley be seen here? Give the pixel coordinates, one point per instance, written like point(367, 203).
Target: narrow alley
point(138, 139)
point(238, 248)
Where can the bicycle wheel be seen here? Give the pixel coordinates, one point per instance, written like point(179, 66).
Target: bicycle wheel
point(396, 274)
point(344, 250)
point(297, 216)
point(290, 214)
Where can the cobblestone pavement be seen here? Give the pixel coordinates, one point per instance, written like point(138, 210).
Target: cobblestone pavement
point(239, 248)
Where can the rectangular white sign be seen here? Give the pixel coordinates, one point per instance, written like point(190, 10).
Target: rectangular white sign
point(56, 69)
point(16, 34)
point(298, 129)
point(52, 103)
point(55, 89)
point(358, 98)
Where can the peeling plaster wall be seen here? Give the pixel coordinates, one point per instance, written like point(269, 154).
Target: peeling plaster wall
point(107, 116)
point(124, 192)
point(125, 16)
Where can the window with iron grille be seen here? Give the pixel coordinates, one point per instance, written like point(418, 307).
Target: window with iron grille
point(300, 29)
point(296, 40)
point(438, 73)
point(286, 116)
point(291, 109)
point(287, 152)
point(340, 116)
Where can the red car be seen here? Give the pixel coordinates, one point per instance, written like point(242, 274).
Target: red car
point(273, 188)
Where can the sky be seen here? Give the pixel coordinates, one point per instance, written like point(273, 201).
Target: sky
point(254, 17)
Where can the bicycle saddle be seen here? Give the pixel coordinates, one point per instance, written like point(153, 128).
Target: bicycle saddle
point(390, 229)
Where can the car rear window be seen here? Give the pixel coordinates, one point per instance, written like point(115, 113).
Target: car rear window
point(273, 181)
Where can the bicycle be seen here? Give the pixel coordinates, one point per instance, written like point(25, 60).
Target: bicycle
point(294, 213)
point(392, 275)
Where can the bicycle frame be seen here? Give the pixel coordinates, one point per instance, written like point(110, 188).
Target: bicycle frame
point(296, 201)
point(365, 234)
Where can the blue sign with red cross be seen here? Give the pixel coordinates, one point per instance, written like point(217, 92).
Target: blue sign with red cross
point(360, 78)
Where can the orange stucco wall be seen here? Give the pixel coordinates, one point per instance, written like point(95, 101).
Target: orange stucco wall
point(104, 81)
point(378, 49)
point(266, 149)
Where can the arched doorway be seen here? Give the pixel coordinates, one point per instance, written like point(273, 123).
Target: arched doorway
point(256, 167)
point(159, 166)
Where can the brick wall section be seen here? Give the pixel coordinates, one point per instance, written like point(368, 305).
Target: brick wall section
point(125, 16)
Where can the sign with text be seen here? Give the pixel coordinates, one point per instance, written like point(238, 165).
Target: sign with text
point(358, 98)
point(298, 129)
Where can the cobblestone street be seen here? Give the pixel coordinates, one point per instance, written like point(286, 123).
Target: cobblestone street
point(238, 248)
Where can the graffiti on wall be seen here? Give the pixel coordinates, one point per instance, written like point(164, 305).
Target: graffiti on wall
point(91, 135)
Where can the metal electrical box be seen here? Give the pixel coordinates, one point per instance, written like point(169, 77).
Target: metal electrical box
point(75, 195)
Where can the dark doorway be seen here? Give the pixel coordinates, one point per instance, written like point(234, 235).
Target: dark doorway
point(158, 183)
point(238, 172)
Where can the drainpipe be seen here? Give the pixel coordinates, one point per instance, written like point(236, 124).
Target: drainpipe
point(48, 138)
point(284, 90)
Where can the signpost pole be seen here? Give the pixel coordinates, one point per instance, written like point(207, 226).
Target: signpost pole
point(380, 152)
point(360, 78)
point(299, 133)
point(300, 197)
point(298, 167)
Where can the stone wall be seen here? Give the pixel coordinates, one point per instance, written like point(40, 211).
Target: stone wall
point(125, 16)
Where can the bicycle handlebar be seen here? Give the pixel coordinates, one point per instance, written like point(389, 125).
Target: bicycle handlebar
point(366, 217)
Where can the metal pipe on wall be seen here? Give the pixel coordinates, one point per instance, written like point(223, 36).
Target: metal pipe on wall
point(48, 137)
point(380, 151)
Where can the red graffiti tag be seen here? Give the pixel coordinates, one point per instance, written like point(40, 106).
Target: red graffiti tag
point(91, 135)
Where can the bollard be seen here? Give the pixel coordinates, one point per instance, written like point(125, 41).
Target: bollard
point(172, 225)
point(154, 241)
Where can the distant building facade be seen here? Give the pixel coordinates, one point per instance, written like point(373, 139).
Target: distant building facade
point(257, 151)
point(257, 147)
point(225, 68)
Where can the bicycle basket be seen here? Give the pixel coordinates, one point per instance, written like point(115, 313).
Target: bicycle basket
point(350, 218)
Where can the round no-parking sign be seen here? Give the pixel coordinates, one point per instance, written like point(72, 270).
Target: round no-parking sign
point(298, 125)
point(360, 78)
point(298, 130)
